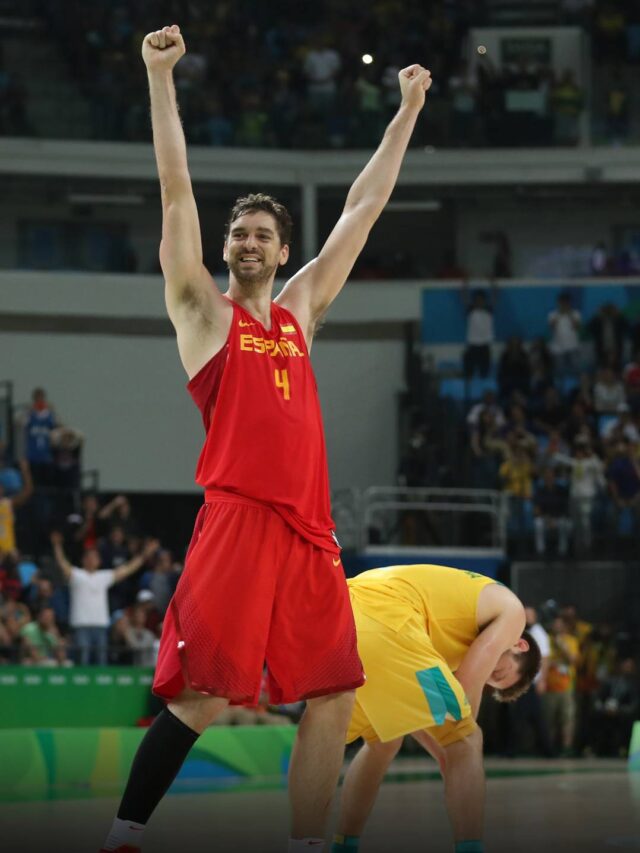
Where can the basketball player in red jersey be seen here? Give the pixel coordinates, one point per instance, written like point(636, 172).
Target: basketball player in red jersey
point(263, 579)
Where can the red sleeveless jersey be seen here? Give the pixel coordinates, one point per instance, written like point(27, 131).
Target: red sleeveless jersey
point(265, 440)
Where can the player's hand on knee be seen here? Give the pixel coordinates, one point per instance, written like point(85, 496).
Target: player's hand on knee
point(163, 48)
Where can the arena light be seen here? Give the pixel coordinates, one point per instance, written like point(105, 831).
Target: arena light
point(367, 58)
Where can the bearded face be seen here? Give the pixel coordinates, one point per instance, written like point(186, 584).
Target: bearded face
point(253, 250)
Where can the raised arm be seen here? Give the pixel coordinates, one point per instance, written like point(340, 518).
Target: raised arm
point(313, 289)
point(195, 306)
point(57, 540)
point(136, 562)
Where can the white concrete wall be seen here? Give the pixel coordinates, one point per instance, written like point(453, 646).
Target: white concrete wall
point(127, 394)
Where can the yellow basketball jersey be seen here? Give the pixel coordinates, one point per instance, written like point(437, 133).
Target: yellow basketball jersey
point(445, 599)
point(7, 527)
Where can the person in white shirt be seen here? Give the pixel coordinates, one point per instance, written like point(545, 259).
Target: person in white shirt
point(321, 67)
point(565, 324)
point(608, 391)
point(480, 333)
point(623, 425)
point(587, 480)
point(89, 611)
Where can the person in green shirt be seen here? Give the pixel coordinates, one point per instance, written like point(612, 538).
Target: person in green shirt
point(41, 641)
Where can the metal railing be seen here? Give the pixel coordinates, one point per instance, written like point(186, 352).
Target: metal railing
point(433, 518)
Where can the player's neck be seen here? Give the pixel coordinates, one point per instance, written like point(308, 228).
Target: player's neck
point(254, 298)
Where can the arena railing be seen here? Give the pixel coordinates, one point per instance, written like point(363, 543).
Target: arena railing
point(409, 517)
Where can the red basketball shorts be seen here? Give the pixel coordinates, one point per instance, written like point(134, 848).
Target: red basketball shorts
point(253, 591)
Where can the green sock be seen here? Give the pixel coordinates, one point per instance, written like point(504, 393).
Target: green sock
point(469, 847)
point(345, 843)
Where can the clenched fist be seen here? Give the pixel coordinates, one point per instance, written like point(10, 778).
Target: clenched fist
point(415, 82)
point(163, 48)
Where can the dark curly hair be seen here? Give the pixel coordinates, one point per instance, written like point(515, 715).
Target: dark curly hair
point(528, 667)
point(260, 201)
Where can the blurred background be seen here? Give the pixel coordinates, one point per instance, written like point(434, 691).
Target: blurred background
point(480, 374)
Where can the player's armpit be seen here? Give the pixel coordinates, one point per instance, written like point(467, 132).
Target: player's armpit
point(311, 291)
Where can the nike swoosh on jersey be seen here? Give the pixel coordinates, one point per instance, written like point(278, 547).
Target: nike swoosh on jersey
point(336, 562)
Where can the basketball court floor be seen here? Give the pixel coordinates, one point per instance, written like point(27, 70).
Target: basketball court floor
point(533, 806)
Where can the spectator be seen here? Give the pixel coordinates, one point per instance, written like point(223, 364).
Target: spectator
point(551, 513)
point(609, 329)
point(578, 424)
point(153, 617)
point(623, 426)
point(86, 525)
point(41, 592)
point(560, 695)
point(138, 639)
point(608, 391)
point(529, 709)
point(8, 645)
point(586, 481)
point(487, 448)
point(541, 362)
point(631, 376)
point(88, 587)
point(516, 473)
point(567, 102)
point(555, 444)
point(579, 628)
point(321, 67)
point(114, 550)
point(42, 644)
point(552, 416)
point(617, 111)
point(490, 403)
point(369, 124)
point(252, 125)
point(40, 422)
point(8, 507)
point(565, 345)
point(14, 614)
point(162, 579)
point(118, 511)
point(583, 393)
point(600, 261)
point(10, 476)
point(480, 334)
point(66, 446)
point(514, 369)
point(517, 432)
point(615, 709)
point(623, 477)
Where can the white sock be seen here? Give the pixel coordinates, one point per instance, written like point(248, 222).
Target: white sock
point(124, 832)
point(298, 845)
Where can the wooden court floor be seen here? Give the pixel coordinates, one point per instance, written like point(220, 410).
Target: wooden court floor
point(590, 806)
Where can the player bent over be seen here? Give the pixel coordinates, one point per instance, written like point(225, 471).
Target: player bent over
point(417, 626)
